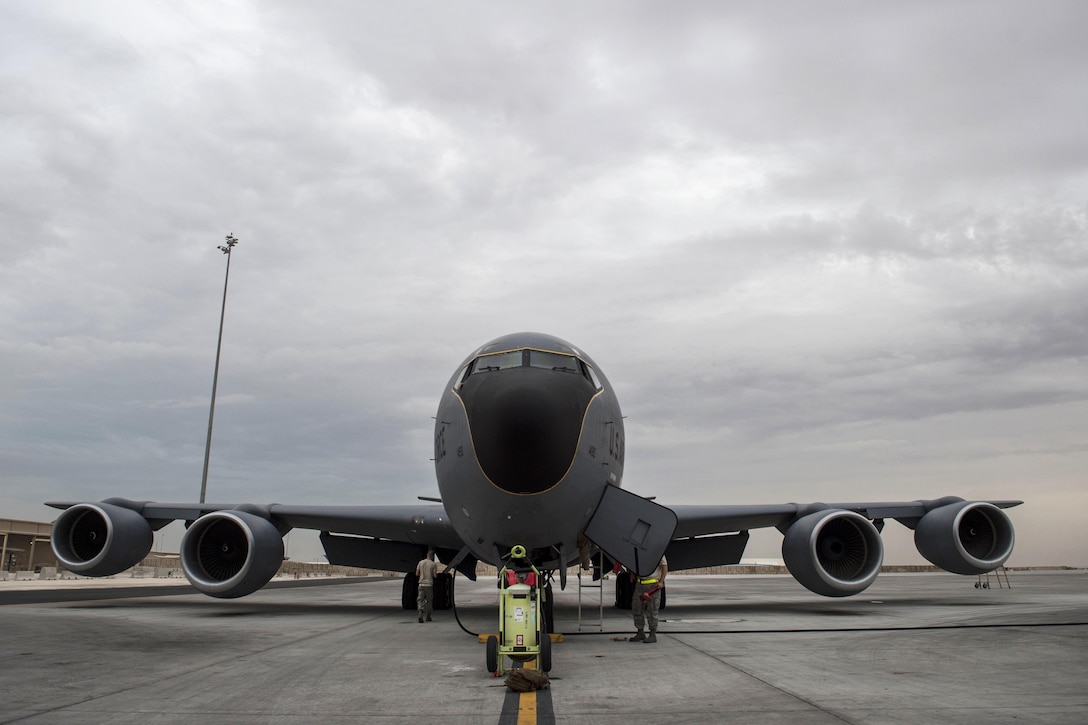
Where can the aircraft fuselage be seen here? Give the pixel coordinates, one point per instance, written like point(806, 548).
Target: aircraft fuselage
point(528, 434)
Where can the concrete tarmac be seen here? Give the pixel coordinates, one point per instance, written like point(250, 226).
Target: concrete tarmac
point(913, 648)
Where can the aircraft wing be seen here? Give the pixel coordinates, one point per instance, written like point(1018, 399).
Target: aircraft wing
point(228, 540)
point(704, 520)
point(423, 524)
point(835, 549)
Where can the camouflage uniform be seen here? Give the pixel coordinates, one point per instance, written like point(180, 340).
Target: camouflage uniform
point(646, 612)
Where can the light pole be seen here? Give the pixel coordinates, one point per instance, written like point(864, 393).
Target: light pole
point(231, 241)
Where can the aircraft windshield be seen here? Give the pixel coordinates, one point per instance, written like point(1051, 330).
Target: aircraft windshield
point(499, 361)
point(553, 361)
point(531, 358)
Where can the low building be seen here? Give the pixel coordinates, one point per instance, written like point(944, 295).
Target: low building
point(24, 545)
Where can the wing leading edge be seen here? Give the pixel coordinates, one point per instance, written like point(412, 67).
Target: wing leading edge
point(425, 525)
point(704, 520)
point(835, 549)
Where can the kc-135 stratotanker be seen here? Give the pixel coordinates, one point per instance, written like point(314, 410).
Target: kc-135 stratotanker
point(529, 452)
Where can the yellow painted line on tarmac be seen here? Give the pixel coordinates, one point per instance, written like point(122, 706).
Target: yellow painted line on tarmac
point(531, 708)
point(527, 708)
point(527, 702)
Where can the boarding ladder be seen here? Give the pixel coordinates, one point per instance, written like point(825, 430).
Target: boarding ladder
point(585, 610)
point(1000, 573)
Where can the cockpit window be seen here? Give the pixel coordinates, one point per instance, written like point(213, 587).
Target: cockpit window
point(592, 376)
point(460, 379)
point(540, 359)
point(553, 361)
point(498, 361)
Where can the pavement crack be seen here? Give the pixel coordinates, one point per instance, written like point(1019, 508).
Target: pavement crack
point(754, 676)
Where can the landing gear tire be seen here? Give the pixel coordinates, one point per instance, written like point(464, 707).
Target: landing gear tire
point(549, 609)
point(624, 589)
point(443, 591)
point(409, 591)
point(492, 654)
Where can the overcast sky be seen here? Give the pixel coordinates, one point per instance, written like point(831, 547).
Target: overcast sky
point(825, 252)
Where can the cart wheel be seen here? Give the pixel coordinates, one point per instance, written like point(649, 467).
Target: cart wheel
point(492, 654)
point(544, 660)
point(977, 585)
point(986, 585)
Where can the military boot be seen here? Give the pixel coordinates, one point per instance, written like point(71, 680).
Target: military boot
point(640, 637)
point(652, 639)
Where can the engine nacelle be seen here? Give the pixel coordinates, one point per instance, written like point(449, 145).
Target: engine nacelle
point(229, 554)
point(969, 537)
point(833, 552)
point(100, 539)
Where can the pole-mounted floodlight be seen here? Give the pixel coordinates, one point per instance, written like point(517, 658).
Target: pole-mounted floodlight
point(231, 241)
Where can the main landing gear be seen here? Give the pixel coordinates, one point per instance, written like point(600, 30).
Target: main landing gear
point(443, 591)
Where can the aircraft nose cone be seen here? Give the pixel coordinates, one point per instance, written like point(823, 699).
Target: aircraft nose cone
point(525, 425)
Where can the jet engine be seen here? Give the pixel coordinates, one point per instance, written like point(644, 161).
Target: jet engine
point(230, 554)
point(100, 539)
point(965, 537)
point(833, 552)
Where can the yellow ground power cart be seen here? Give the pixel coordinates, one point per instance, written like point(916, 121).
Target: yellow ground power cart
point(523, 635)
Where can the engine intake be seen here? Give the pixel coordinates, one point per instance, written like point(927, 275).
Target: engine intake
point(833, 552)
point(966, 537)
point(100, 539)
point(230, 554)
